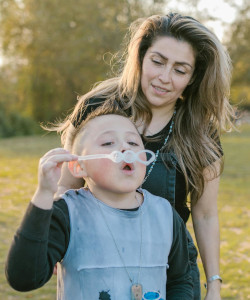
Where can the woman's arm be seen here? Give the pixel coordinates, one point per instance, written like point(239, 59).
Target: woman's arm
point(206, 228)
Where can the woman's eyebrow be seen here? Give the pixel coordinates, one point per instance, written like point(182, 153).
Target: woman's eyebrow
point(177, 62)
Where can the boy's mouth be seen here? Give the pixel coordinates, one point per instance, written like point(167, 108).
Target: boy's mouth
point(128, 167)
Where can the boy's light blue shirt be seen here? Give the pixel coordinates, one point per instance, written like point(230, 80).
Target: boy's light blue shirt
point(92, 266)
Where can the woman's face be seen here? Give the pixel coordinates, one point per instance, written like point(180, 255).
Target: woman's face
point(167, 69)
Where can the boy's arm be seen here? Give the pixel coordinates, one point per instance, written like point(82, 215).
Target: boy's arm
point(40, 242)
point(179, 280)
point(29, 262)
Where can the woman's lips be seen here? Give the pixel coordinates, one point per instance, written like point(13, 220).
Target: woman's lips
point(160, 90)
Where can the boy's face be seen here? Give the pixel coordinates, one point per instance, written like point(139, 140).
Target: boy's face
point(103, 135)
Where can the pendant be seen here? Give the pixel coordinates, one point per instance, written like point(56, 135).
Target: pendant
point(136, 292)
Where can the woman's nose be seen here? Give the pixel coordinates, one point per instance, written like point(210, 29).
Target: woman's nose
point(165, 75)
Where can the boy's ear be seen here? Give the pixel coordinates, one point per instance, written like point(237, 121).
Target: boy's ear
point(77, 169)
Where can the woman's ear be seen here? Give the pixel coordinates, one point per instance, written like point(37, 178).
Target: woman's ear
point(77, 169)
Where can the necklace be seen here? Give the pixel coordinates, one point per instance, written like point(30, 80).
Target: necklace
point(136, 288)
point(158, 151)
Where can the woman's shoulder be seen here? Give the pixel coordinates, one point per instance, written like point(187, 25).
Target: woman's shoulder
point(90, 105)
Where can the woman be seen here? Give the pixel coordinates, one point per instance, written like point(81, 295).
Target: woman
point(175, 83)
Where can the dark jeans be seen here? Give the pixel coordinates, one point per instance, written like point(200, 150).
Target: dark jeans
point(162, 182)
point(193, 254)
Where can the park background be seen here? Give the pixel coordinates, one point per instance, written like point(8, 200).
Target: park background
point(51, 51)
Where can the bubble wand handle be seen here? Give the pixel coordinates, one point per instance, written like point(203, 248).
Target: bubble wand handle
point(94, 156)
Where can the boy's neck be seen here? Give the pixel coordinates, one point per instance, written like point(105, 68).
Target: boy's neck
point(128, 200)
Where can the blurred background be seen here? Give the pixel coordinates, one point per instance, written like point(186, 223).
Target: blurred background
point(51, 51)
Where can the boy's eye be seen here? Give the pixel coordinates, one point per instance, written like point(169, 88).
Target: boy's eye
point(107, 144)
point(133, 144)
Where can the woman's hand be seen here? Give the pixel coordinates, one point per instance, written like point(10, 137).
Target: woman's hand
point(49, 173)
point(213, 290)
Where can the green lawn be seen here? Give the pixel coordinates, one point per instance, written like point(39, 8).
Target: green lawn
point(18, 177)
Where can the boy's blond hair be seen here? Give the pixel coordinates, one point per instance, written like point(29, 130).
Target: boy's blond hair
point(107, 108)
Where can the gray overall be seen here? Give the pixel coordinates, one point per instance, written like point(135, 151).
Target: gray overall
point(161, 182)
point(86, 273)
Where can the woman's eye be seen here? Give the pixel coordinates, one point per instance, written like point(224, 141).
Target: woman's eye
point(157, 62)
point(180, 72)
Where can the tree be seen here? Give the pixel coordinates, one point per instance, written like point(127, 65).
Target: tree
point(57, 49)
point(238, 46)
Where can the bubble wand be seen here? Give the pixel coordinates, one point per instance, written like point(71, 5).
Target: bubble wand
point(128, 156)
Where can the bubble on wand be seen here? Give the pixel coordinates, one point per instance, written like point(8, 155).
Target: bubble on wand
point(127, 156)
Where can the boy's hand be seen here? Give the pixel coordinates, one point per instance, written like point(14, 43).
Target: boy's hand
point(49, 173)
point(50, 165)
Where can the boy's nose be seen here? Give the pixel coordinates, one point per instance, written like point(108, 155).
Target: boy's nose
point(124, 147)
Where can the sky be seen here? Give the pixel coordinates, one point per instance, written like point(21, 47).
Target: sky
point(217, 8)
point(220, 9)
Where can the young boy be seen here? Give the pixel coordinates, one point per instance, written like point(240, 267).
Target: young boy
point(111, 239)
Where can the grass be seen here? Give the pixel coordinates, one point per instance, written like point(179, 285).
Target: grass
point(18, 178)
point(18, 174)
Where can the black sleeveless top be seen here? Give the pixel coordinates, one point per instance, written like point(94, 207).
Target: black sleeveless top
point(166, 179)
